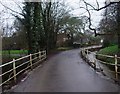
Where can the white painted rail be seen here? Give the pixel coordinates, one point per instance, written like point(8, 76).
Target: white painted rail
point(85, 52)
point(39, 56)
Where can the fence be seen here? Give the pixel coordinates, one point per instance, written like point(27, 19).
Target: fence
point(31, 60)
point(85, 53)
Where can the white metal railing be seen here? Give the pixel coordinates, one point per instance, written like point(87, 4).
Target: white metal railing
point(85, 52)
point(39, 56)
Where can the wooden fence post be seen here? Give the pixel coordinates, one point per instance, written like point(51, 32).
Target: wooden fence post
point(95, 63)
point(31, 60)
point(45, 54)
point(84, 53)
point(116, 68)
point(39, 55)
point(87, 53)
point(14, 70)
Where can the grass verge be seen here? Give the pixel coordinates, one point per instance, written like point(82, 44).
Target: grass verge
point(64, 48)
point(111, 50)
point(14, 52)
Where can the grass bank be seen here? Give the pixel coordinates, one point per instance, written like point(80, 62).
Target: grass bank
point(111, 50)
point(4, 52)
point(8, 55)
point(64, 48)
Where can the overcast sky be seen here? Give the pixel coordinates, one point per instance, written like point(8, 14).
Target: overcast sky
point(75, 4)
point(96, 16)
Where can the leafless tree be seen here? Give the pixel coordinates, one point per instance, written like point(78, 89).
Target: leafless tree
point(88, 7)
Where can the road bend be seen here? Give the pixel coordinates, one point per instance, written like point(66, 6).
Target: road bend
point(66, 72)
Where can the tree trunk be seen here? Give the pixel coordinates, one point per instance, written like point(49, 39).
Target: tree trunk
point(118, 26)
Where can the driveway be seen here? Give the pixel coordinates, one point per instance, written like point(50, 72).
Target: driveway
point(66, 72)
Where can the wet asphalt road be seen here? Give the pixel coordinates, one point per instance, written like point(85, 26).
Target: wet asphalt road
point(66, 72)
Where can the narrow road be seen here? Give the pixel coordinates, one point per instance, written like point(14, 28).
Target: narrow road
point(66, 72)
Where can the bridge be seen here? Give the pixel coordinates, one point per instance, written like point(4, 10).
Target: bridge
point(65, 72)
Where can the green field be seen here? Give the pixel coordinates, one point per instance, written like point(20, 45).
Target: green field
point(111, 50)
point(8, 55)
point(5, 52)
point(64, 48)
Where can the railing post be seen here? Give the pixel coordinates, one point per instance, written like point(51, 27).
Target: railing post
point(87, 53)
point(81, 52)
point(14, 70)
point(39, 55)
point(31, 60)
point(45, 53)
point(95, 63)
point(84, 52)
point(116, 68)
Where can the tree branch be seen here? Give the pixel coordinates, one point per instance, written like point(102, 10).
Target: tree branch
point(96, 9)
point(18, 5)
point(97, 4)
point(11, 9)
point(89, 19)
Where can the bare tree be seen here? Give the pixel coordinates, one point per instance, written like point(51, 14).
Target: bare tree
point(88, 7)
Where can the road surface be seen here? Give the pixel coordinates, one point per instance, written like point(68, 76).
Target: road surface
point(66, 72)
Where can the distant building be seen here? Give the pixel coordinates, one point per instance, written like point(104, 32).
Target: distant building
point(62, 39)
